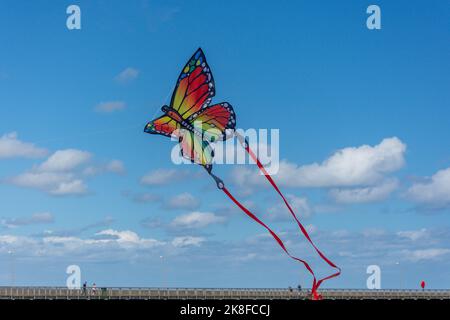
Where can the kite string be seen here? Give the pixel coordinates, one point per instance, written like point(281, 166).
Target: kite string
point(246, 146)
point(274, 235)
point(316, 284)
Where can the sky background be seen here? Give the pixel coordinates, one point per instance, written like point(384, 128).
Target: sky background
point(364, 143)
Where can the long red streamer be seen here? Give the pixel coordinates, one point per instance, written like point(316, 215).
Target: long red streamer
point(316, 284)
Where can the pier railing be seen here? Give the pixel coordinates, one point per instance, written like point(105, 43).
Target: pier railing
point(211, 293)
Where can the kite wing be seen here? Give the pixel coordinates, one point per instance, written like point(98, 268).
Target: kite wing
point(213, 121)
point(195, 86)
point(163, 125)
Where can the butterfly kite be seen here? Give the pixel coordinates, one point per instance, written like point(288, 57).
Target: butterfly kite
point(196, 123)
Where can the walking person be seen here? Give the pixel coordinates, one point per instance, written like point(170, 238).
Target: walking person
point(85, 288)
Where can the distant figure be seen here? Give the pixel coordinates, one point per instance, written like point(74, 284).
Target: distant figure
point(290, 289)
point(94, 289)
point(85, 288)
point(299, 287)
point(422, 285)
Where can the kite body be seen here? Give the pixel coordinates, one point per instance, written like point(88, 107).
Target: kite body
point(191, 118)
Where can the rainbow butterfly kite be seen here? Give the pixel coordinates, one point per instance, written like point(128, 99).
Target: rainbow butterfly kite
point(197, 124)
point(190, 118)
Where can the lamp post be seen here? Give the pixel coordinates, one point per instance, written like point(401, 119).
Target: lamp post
point(12, 268)
point(402, 276)
point(164, 271)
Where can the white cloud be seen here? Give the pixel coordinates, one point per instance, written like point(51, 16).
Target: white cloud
point(365, 194)
point(56, 183)
point(69, 187)
point(65, 160)
point(426, 254)
point(12, 147)
point(110, 106)
point(8, 241)
point(352, 166)
point(54, 176)
point(113, 166)
point(414, 235)
point(353, 249)
point(41, 180)
point(182, 201)
point(120, 236)
point(91, 171)
point(125, 239)
point(36, 218)
point(127, 75)
point(187, 241)
point(300, 206)
point(196, 219)
point(435, 192)
point(63, 172)
point(163, 176)
point(105, 245)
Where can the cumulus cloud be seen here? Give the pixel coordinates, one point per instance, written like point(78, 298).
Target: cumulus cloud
point(414, 235)
point(8, 241)
point(110, 106)
point(126, 236)
point(62, 173)
point(113, 166)
point(365, 194)
point(65, 160)
point(352, 250)
point(427, 254)
point(352, 166)
point(187, 241)
point(105, 245)
point(196, 220)
point(127, 75)
point(69, 187)
point(434, 193)
point(182, 201)
point(125, 239)
point(36, 218)
point(55, 183)
point(12, 147)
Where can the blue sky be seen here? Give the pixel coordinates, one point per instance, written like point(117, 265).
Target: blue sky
point(364, 142)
